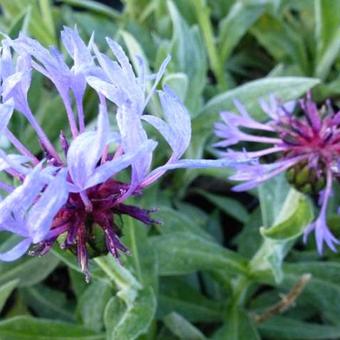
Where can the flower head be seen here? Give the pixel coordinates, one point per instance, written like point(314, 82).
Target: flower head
point(306, 147)
point(66, 195)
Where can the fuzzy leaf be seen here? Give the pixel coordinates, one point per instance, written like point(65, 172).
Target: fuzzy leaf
point(124, 322)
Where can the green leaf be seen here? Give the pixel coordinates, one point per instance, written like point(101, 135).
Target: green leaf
point(272, 196)
point(179, 83)
point(289, 222)
point(182, 328)
point(284, 41)
point(197, 216)
point(6, 290)
point(129, 322)
point(71, 261)
point(47, 302)
point(228, 205)
point(249, 239)
point(37, 27)
point(78, 284)
point(240, 17)
point(143, 261)
point(89, 22)
point(136, 8)
point(188, 56)
point(294, 225)
point(175, 221)
point(27, 328)
point(47, 16)
point(323, 290)
point(327, 35)
point(92, 304)
point(203, 18)
point(285, 328)
point(20, 23)
point(28, 270)
point(94, 6)
point(125, 281)
point(176, 295)
point(237, 326)
point(182, 253)
point(67, 257)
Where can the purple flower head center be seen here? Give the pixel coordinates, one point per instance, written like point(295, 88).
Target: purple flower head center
point(314, 136)
point(305, 145)
point(77, 222)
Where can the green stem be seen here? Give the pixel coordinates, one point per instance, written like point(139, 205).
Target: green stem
point(95, 7)
point(203, 16)
point(123, 279)
point(117, 273)
point(130, 9)
point(47, 17)
point(134, 249)
point(240, 290)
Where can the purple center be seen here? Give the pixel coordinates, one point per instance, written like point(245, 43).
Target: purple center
point(77, 221)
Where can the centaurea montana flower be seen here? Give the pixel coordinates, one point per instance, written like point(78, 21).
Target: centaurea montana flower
point(306, 147)
point(67, 194)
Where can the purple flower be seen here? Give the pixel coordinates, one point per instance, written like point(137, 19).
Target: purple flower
point(305, 147)
point(65, 196)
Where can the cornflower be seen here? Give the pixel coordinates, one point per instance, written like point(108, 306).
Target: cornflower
point(66, 195)
point(306, 147)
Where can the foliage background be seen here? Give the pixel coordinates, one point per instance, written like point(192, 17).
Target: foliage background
point(219, 258)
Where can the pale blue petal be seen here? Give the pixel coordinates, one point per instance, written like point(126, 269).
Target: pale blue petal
point(16, 252)
point(79, 164)
point(250, 184)
point(6, 111)
point(50, 62)
point(133, 134)
point(122, 77)
point(24, 65)
point(73, 188)
point(159, 76)
point(184, 164)
point(178, 119)
point(13, 161)
point(23, 196)
point(15, 224)
point(76, 48)
point(86, 150)
point(108, 169)
point(109, 91)
point(121, 57)
point(10, 83)
point(109, 67)
point(49, 203)
point(195, 164)
point(163, 128)
point(7, 67)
